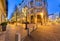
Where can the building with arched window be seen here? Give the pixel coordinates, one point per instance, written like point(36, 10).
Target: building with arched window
point(37, 10)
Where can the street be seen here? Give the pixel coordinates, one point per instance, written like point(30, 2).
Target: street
point(45, 33)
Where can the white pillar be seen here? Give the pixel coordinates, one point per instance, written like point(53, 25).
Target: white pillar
point(18, 36)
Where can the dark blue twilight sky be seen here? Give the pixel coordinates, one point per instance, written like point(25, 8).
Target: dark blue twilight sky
point(53, 6)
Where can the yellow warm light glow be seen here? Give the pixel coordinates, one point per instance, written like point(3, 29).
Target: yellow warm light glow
point(41, 15)
point(24, 10)
point(23, 18)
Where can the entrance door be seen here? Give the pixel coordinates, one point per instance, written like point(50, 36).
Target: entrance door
point(32, 19)
point(39, 19)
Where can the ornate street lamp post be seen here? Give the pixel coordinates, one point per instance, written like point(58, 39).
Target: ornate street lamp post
point(25, 10)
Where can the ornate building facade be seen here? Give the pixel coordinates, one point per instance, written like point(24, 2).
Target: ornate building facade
point(37, 10)
point(2, 10)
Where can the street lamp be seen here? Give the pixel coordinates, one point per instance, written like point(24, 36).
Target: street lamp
point(16, 12)
point(24, 10)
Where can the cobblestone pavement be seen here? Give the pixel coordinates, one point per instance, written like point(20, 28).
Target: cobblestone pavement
point(45, 33)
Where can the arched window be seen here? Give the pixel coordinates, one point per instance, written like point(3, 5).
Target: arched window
point(38, 3)
point(31, 3)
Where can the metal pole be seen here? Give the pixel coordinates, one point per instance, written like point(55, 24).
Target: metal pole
point(16, 14)
point(26, 21)
point(16, 19)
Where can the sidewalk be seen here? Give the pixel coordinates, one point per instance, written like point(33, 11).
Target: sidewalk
point(2, 36)
point(12, 29)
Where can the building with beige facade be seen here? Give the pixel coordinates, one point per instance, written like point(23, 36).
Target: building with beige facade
point(36, 13)
point(2, 10)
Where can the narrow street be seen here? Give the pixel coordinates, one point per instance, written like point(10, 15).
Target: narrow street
point(45, 33)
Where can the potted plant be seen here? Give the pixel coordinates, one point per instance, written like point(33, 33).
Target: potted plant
point(4, 24)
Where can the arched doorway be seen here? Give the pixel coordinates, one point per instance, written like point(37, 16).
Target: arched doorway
point(32, 19)
point(39, 19)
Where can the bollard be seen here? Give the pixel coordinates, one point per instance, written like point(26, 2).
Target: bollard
point(18, 37)
point(28, 32)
